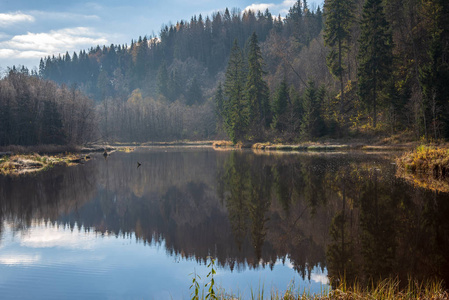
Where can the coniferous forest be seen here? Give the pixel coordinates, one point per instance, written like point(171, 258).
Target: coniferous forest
point(350, 69)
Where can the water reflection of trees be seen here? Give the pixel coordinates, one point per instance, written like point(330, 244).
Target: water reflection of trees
point(344, 212)
point(382, 229)
point(274, 205)
point(45, 196)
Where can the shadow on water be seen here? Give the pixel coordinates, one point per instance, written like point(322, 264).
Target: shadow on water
point(347, 213)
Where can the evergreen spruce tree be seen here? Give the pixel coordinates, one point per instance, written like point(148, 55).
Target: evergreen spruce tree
point(312, 124)
point(375, 55)
point(337, 34)
point(256, 89)
point(294, 21)
point(435, 74)
point(235, 110)
point(280, 104)
point(219, 100)
point(41, 68)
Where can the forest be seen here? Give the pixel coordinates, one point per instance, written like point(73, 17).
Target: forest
point(351, 69)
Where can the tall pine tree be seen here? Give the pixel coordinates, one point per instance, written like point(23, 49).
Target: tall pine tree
point(312, 123)
point(337, 34)
point(435, 73)
point(235, 110)
point(375, 55)
point(256, 89)
point(280, 104)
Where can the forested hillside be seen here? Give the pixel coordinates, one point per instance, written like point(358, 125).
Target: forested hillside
point(355, 68)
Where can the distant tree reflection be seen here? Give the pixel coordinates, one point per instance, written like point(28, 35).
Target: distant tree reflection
point(348, 214)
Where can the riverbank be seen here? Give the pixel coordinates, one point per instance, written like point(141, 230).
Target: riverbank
point(426, 160)
point(426, 166)
point(382, 290)
point(17, 160)
point(317, 146)
point(30, 163)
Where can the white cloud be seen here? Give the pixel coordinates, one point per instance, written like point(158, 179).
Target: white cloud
point(7, 20)
point(5, 53)
point(19, 259)
point(37, 45)
point(255, 7)
point(276, 9)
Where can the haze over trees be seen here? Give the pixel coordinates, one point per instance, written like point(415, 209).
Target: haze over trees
point(357, 68)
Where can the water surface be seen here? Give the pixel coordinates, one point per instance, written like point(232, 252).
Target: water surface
point(111, 230)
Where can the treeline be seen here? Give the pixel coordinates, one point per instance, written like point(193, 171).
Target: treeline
point(35, 111)
point(245, 111)
point(156, 88)
point(357, 68)
point(169, 63)
point(399, 83)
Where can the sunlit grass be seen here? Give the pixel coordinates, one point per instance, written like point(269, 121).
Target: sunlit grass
point(389, 288)
point(385, 289)
point(126, 149)
point(223, 144)
point(29, 163)
point(426, 160)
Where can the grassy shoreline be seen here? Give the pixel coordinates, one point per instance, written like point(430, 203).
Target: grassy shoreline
point(426, 167)
point(31, 163)
point(427, 160)
point(18, 160)
point(384, 289)
point(318, 146)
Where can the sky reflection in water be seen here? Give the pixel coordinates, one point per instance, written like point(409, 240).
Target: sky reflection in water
point(54, 262)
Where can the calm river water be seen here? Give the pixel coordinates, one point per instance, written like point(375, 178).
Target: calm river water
point(111, 230)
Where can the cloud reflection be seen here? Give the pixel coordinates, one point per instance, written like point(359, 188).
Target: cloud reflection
point(320, 278)
point(52, 236)
point(19, 259)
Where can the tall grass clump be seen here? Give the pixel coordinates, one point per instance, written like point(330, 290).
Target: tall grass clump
point(426, 160)
point(389, 289)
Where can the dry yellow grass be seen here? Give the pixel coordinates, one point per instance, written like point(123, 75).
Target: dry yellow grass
point(426, 167)
point(223, 143)
point(29, 163)
point(426, 160)
point(384, 290)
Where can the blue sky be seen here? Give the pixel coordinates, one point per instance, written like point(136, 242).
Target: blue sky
point(30, 29)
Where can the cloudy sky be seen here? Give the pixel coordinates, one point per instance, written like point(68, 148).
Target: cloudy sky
point(31, 29)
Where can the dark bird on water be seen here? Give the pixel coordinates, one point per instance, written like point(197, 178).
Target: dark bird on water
point(105, 153)
point(138, 164)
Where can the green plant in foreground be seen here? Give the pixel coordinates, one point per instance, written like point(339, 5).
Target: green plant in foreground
point(211, 287)
point(211, 292)
point(195, 285)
